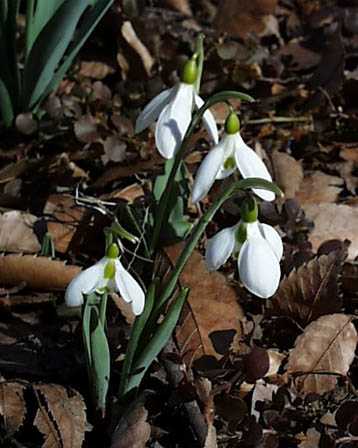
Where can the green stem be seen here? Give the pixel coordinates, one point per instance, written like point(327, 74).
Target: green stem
point(200, 61)
point(163, 203)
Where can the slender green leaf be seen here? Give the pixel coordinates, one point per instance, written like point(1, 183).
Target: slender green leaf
point(200, 61)
point(100, 360)
point(6, 108)
point(88, 23)
point(48, 50)
point(3, 12)
point(157, 342)
point(136, 332)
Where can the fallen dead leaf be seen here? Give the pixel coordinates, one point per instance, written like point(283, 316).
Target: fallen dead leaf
point(327, 345)
point(36, 272)
point(86, 129)
point(319, 187)
point(133, 430)
point(211, 315)
point(131, 37)
point(311, 439)
point(288, 173)
point(310, 291)
point(61, 416)
point(182, 6)
point(12, 405)
point(262, 391)
point(333, 221)
point(95, 69)
point(114, 150)
point(17, 234)
point(64, 218)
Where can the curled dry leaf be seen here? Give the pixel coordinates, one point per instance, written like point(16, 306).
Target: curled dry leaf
point(61, 416)
point(312, 290)
point(12, 406)
point(131, 37)
point(17, 234)
point(333, 221)
point(36, 272)
point(211, 315)
point(327, 345)
point(133, 430)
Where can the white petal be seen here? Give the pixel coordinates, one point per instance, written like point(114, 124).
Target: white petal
point(259, 268)
point(250, 165)
point(174, 121)
point(206, 174)
point(228, 143)
point(219, 248)
point(273, 238)
point(129, 289)
point(152, 110)
point(84, 283)
point(208, 120)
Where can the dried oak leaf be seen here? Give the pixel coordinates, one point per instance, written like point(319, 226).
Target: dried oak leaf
point(12, 406)
point(35, 272)
point(312, 290)
point(61, 416)
point(211, 315)
point(17, 234)
point(319, 187)
point(333, 221)
point(133, 430)
point(327, 345)
point(288, 173)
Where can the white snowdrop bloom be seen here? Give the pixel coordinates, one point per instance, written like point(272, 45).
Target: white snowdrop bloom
point(110, 273)
point(172, 109)
point(260, 251)
point(229, 154)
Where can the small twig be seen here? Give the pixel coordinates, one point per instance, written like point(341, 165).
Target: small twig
point(280, 120)
point(347, 439)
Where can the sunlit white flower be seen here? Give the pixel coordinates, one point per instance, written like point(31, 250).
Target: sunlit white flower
point(230, 154)
point(106, 273)
point(260, 250)
point(172, 109)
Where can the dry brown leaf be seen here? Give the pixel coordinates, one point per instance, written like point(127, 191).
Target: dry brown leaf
point(36, 272)
point(65, 217)
point(327, 345)
point(95, 69)
point(114, 149)
point(133, 430)
point(12, 405)
point(319, 187)
point(131, 37)
point(311, 439)
point(86, 129)
point(239, 19)
point(182, 6)
point(211, 315)
point(310, 291)
point(288, 173)
point(17, 234)
point(333, 221)
point(129, 193)
point(15, 170)
point(61, 416)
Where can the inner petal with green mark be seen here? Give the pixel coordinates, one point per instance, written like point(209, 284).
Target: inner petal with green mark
point(230, 163)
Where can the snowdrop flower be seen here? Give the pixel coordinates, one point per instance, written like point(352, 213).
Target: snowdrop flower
point(260, 250)
point(172, 109)
point(229, 154)
point(107, 273)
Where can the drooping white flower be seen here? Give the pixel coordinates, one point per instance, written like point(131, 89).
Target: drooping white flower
point(229, 154)
point(172, 109)
point(106, 273)
point(260, 251)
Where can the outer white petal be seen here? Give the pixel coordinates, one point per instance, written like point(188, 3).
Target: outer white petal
point(174, 121)
point(250, 165)
point(259, 268)
point(85, 282)
point(228, 143)
point(208, 120)
point(206, 174)
point(219, 248)
point(273, 238)
point(152, 110)
point(129, 289)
